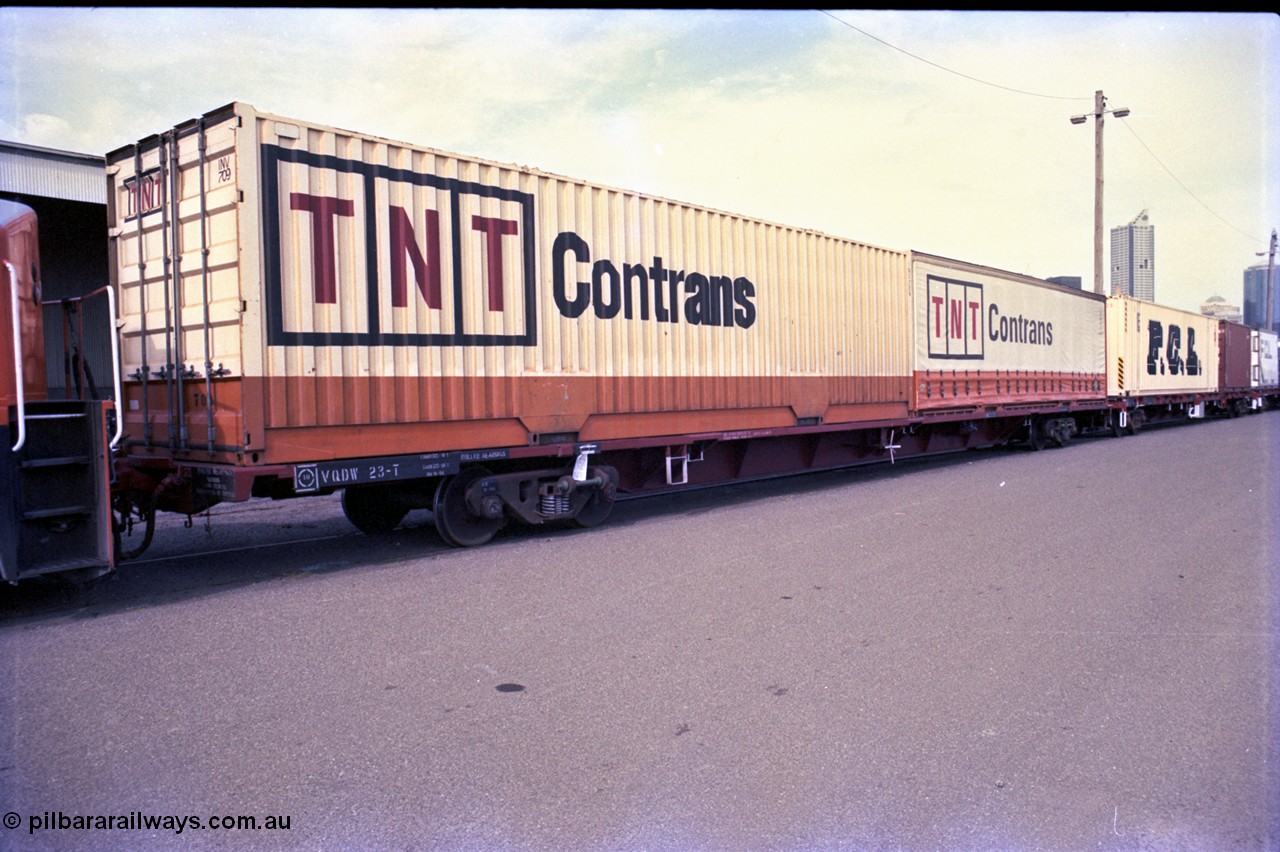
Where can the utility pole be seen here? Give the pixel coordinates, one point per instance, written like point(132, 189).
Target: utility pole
point(1271, 266)
point(1099, 110)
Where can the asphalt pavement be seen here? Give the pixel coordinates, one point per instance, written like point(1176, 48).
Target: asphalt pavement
point(1064, 650)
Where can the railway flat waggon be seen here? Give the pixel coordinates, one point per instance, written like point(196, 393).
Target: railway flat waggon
point(1007, 348)
point(305, 310)
point(295, 297)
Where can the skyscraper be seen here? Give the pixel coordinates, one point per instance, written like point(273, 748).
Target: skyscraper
point(1133, 259)
point(1255, 297)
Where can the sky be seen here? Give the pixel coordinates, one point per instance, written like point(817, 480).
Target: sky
point(943, 132)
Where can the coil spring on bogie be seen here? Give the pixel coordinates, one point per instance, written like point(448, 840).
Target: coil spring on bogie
point(552, 504)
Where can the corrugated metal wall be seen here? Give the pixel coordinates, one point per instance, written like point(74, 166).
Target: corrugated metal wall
point(29, 170)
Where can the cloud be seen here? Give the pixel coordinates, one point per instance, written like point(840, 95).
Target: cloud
point(46, 131)
point(943, 131)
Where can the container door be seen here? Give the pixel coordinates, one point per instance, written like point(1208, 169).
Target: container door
point(175, 210)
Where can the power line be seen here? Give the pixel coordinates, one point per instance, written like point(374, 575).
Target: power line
point(949, 70)
point(1185, 188)
point(1039, 95)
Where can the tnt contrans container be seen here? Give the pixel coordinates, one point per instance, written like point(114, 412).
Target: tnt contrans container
point(987, 339)
point(293, 293)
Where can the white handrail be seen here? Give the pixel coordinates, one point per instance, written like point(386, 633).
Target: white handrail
point(17, 356)
point(115, 361)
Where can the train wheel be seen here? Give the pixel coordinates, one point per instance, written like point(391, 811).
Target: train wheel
point(455, 521)
point(1136, 419)
point(371, 510)
point(595, 513)
point(128, 510)
point(1117, 430)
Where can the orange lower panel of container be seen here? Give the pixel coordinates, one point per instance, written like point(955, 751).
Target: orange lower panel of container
point(979, 388)
point(277, 421)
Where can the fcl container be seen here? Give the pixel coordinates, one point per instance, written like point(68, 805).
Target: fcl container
point(294, 292)
point(987, 338)
point(1153, 350)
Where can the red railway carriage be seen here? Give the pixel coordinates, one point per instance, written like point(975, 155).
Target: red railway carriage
point(21, 320)
point(55, 502)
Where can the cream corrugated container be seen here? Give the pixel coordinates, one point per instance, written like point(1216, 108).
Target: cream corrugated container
point(341, 295)
point(1157, 350)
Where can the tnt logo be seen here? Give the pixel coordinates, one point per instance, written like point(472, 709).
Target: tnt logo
point(143, 194)
point(954, 319)
point(365, 254)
